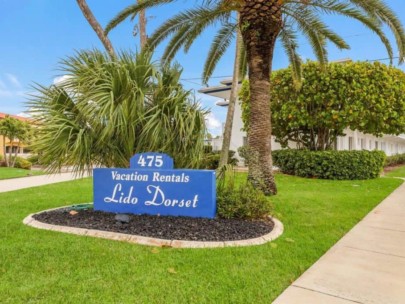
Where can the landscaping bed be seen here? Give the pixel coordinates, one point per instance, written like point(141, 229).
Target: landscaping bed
point(162, 227)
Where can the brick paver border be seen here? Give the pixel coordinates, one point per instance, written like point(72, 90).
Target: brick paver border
point(149, 241)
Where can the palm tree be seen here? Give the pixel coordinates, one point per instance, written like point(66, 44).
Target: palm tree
point(262, 23)
point(15, 131)
point(96, 27)
point(109, 109)
point(124, 14)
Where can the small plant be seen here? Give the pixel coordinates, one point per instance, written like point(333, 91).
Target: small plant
point(395, 160)
point(22, 163)
point(210, 159)
point(244, 154)
point(239, 201)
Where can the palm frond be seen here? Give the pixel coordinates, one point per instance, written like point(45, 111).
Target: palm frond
point(132, 11)
point(386, 15)
point(289, 41)
point(218, 47)
point(196, 20)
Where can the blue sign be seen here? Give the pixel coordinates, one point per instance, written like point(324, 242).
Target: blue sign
point(152, 186)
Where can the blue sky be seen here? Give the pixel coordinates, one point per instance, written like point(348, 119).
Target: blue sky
point(36, 34)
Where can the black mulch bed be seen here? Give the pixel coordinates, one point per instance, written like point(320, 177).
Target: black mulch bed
point(163, 227)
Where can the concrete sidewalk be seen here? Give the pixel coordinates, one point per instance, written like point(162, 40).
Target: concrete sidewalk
point(34, 181)
point(366, 266)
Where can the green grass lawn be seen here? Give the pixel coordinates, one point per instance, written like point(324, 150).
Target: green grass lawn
point(38, 266)
point(6, 173)
point(398, 172)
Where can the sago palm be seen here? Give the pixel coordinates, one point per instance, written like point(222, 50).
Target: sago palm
point(106, 110)
point(262, 23)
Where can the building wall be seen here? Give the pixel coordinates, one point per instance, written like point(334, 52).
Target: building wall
point(1, 146)
point(16, 145)
point(356, 140)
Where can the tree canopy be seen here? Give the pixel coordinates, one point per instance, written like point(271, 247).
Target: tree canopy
point(13, 130)
point(363, 96)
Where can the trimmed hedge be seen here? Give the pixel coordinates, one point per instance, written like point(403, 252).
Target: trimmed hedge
point(395, 160)
point(337, 165)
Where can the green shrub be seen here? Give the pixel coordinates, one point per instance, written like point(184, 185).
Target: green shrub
point(210, 159)
point(34, 159)
point(395, 160)
point(207, 149)
point(337, 165)
point(22, 163)
point(242, 202)
point(244, 154)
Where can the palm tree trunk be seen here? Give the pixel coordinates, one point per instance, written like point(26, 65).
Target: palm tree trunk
point(142, 28)
point(4, 151)
point(16, 154)
point(96, 27)
point(10, 154)
point(260, 24)
point(226, 142)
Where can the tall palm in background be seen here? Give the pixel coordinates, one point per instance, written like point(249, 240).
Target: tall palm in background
point(87, 13)
point(238, 75)
point(262, 23)
point(128, 13)
point(142, 28)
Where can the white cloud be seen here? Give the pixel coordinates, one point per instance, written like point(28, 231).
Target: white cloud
point(61, 79)
point(24, 114)
point(212, 122)
point(14, 80)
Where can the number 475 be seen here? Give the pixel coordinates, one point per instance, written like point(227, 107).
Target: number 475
point(151, 161)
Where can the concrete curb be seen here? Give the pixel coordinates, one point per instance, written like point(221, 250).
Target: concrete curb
point(148, 241)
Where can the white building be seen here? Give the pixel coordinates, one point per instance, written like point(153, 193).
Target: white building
point(354, 140)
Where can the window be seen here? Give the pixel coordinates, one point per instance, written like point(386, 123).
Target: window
point(362, 143)
point(376, 145)
point(383, 146)
point(351, 139)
